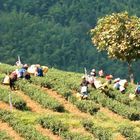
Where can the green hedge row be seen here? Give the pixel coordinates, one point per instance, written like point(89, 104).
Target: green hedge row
point(39, 96)
point(25, 130)
point(84, 105)
point(115, 106)
point(57, 126)
point(129, 132)
point(124, 98)
point(52, 123)
point(55, 81)
point(4, 68)
point(17, 102)
point(72, 82)
point(4, 136)
point(67, 79)
point(61, 87)
point(49, 83)
point(100, 132)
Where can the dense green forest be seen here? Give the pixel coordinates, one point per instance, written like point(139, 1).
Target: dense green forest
point(56, 33)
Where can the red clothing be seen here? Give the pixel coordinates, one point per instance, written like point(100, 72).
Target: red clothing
point(109, 77)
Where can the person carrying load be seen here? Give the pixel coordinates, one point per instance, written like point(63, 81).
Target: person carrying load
point(45, 69)
point(13, 78)
point(6, 79)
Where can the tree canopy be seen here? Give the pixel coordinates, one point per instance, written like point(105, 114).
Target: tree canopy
point(119, 35)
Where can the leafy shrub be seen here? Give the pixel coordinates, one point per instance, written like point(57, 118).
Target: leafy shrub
point(59, 128)
point(4, 68)
point(129, 131)
point(87, 106)
point(75, 136)
point(115, 106)
point(17, 101)
point(26, 130)
point(100, 132)
point(54, 124)
point(4, 136)
point(65, 91)
point(40, 96)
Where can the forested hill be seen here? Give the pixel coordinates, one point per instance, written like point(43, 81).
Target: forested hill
point(56, 32)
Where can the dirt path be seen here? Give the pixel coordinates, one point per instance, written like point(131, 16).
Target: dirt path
point(48, 133)
point(111, 114)
point(10, 131)
point(68, 106)
point(4, 126)
point(5, 106)
point(34, 106)
point(73, 109)
point(107, 112)
point(81, 130)
point(120, 137)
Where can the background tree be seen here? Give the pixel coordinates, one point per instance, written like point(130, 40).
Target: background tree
point(54, 33)
point(119, 35)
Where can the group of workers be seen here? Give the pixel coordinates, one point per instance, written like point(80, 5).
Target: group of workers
point(23, 72)
point(97, 83)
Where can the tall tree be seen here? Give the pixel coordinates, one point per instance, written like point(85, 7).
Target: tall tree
point(119, 35)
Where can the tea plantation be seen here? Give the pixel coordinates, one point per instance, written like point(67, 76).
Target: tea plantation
point(46, 108)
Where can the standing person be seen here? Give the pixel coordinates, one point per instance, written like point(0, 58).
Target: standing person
point(13, 78)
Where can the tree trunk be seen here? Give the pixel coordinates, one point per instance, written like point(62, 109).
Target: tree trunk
point(130, 73)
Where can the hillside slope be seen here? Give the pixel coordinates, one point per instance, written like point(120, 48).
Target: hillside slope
point(101, 117)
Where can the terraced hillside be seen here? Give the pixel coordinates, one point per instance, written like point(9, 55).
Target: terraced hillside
point(47, 109)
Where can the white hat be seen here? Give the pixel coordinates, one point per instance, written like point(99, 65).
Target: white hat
point(117, 80)
point(93, 70)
